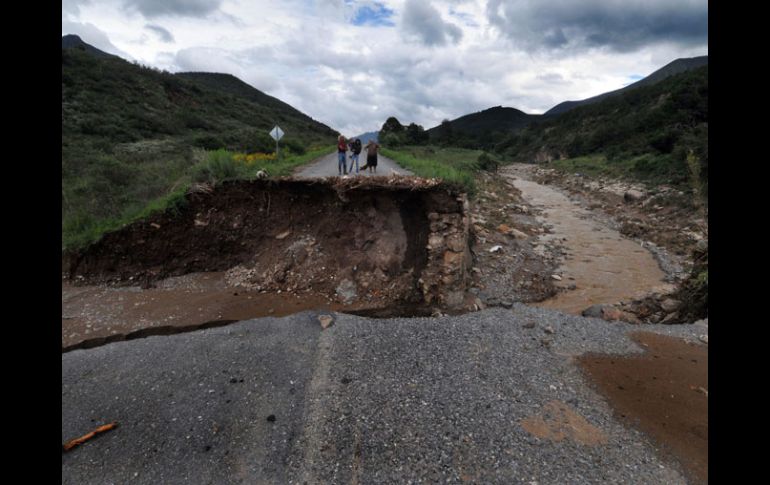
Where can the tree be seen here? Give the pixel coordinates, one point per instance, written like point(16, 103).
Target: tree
point(391, 125)
point(415, 134)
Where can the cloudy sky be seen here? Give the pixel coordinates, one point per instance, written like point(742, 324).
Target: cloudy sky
point(353, 63)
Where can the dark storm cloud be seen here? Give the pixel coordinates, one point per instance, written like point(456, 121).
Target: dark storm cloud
point(162, 33)
point(622, 26)
point(422, 20)
point(181, 8)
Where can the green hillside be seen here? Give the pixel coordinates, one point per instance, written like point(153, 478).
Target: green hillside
point(648, 133)
point(480, 130)
point(131, 134)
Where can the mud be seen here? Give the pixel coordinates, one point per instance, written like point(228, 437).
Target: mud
point(598, 265)
point(663, 392)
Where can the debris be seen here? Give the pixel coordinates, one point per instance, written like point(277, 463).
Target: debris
point(326, 321)
point(156, 226)
point(495, 249)
point(78, 441)
point(556, 277)
point(283, 234)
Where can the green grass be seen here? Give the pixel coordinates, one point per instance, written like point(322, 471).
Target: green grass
point(456, 166)
point(83, 225)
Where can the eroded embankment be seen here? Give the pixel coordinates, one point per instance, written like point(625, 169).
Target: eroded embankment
point(376, 243)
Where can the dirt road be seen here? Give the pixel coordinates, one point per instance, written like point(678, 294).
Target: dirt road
point(326, 166)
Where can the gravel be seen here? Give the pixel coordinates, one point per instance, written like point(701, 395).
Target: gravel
point(419, 400)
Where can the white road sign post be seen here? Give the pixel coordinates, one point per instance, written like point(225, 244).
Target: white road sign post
point(277, 134)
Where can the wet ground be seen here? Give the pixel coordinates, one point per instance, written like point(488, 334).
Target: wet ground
point(598, 264)
point(603, 266)
point(94, 314)
point(663, 392)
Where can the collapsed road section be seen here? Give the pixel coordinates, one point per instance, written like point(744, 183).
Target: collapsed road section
point(392, 245)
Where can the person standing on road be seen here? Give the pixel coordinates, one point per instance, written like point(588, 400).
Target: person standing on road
point(371, 156)
point(355, 147)
point(342, 150)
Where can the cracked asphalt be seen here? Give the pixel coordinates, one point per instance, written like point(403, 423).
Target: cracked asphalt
point(403, 400)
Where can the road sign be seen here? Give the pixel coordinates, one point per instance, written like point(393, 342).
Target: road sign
point(276, 133)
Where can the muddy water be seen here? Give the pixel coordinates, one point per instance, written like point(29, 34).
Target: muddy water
point(604, 266)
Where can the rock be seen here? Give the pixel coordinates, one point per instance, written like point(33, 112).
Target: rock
point(326, 321)
point(435, 241)
point(548, 329)
point(704, 339)
point(594, 311)
point(506, 303)
point(262, 174)
point(504, 229)
point(632, 195)
point(611, 313)
point(156, 226)
point(495, 249)
point(346, 290)
point(670, 305)
point(519, 234)
point(456, 243)
point(556, 277)
point(283, 235)
point(670, 318)
point(529, 325)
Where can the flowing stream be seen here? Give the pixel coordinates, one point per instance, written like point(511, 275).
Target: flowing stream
point(603, 265)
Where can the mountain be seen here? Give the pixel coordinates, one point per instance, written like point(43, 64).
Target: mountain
point(130, 134)
point(675, 67)
point(653, 132)
point(229, 84)
point(369, 135)
point(481, 129)
point(74, 42)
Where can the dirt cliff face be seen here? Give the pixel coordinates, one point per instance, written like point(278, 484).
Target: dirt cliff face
point(347, 239)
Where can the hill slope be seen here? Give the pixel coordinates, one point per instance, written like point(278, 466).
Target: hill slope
point(131, 133)
point(481, 129)
point(675, 67)
point(649, 131)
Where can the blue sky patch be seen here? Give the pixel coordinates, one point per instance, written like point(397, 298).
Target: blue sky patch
point(379, 15)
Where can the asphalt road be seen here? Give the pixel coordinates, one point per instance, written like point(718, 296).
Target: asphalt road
point(424, 400)
point(326, 166)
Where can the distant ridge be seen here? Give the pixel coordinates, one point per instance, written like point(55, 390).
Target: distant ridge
point(675, 67)
point(369, 135)
point(499, 118)
point(72, 41)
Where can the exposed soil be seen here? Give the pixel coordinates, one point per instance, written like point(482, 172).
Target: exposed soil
point(663, 392)
point(359, 242)
point(508, 265)
point(261, 248)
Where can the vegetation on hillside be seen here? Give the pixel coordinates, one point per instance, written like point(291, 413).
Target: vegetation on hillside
point(132, 135)
point(647, 133)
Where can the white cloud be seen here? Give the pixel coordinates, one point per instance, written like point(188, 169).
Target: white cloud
point(457, 58)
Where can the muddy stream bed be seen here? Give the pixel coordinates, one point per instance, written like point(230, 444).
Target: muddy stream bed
point(599, 265)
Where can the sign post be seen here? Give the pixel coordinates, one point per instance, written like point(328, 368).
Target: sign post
point(277, 134)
